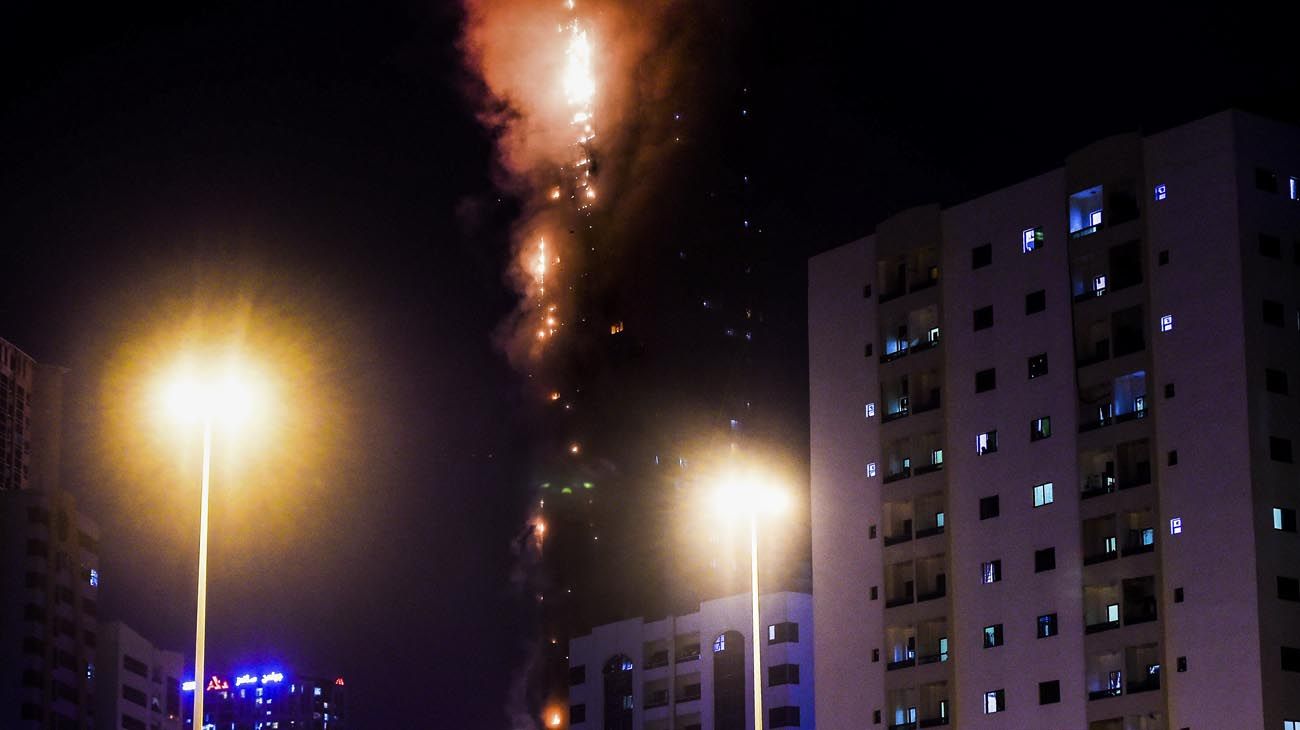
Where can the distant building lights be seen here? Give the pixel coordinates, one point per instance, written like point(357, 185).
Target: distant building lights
point(1161, 192)
point(339, 682)
point(188, 686)
point(1166, 322)
point(94, 578)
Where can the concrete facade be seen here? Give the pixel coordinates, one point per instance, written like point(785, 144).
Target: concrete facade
point(694, 672)
point(137, 687)
point(1052, 453)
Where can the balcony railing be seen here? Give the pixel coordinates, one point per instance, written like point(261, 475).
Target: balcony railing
point(1092, 423)
point(929, 404)
point(1150, 684)
point(1105, 557)
point(657, 659)
point(688, 655)
point(897, 539)
point(901, 413)
point(917, 345)
point(689, 693)
point(1098, 628)
point(898, 601)
point(928, 468)
point(929, 532)
point(1139, 549)
point(1102, 694)
point(901, 664)
point(932, 658)
point(657, 699)
point(904, 473)
point(934, 722)
point(932, 595)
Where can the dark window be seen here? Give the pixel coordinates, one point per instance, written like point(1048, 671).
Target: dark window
point(131, 723)
point(729, 682)
point(875, 655)
point(867, 350)
point(989, 507)
point(871, 532)
point(1172, 457)
point(1169, 390)
point(1046, 625)
point(1049, 693)
point(984, 318)
point(992, 636)
point(875, 717)
point(783, 674)
point(986, 380)
point(618, 692)
point(1275, 381)
point(33, 645)
point(1044, 559)
point(1265, 179)
point(37, 548)
point(1272, 312)
point(875, 592)
point(33, 612)
point(1181, 664)
point(1284, 519)
point(33, 712)
point(783, 717)
point(131, 694)
point(1270, 246)
point(981, 256)
point(34, 580)
point(577, 713)
point(1290, 659)
point(783, 633)
point(31, 678)
point(1279, 449)
point(1163, 257)
point(1040, 428)
point(578, 674)
point(135, 666)
point(1037, 365)
point(866, 291)
point(1035, 301)
point(1288, 589)
point(1178, 595)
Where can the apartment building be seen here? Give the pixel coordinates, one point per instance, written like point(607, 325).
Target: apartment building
point(268, 698)
point(138, 686)
point(1052, 446)
point(694, 672)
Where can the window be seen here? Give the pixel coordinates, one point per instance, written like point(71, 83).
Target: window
point(1169, 390)
point(981, 256)
point(1166, 322)
point(783, 674)
point(1047, 625)
point(986, 443)
point(1279, 449)
point(1040, 428)
point(1035, 301)
point(1275, 381)
point(1037, 365)
point(1290, 659)
point(1284, 519)
point(131, 664)
point(1291, 724)
point(875, 717)
point(1288, 589)
point(875, 656)
point(783, 717)
point(577, 713)
point(1161, 192)
point(1272, 312)
point(1265, 179)
point(988, 507)
point(1172, 457)
point(1031, 239)
point(871, 469)
point(983, 318)
point(1043, 494)
point(1270, 246)
point(871, 410)
point(131, 694)
point(1178, 595)
point(991, 572)
point(1044, 560)
point(995, 701)
point(1293, 189)
point(1162, 258)
point(1049, 693)
point(986, 380)
point(875, 592)
point(1176, 526)
point(1112, 613)
point(992, 636)
point(871, 532)
point(1085, 211)
point(786, 632)
point(866, 351)
point(577, 675)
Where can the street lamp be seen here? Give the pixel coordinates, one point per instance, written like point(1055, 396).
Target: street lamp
point(228, 399)
point(753, 496)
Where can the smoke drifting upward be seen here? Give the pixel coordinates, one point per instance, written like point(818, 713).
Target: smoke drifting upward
point(567, 89)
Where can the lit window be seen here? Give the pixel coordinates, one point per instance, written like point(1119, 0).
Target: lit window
point(94, 578)
point(1112, 613)
point(871, 410)
point(1110, 545)
point(1040, 428)
point(1161, 192)
point(1031, 239)
point(991, 572)
point(1294, 190)
point(936, 457)
point(986, 443)
point(871, 469)
point(1291, 724)
point(1099, 285)
point(939, 519)
point(720, 643)
point(1166, 322)
point(1085, 212)
point(992, 636)
point(316, 691)
point(1176, 526)
point(1046, 625)
point(1094, 218)
point(1043, 494)
point(995, 701)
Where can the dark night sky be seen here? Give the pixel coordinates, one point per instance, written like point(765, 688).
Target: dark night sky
point(322, 162)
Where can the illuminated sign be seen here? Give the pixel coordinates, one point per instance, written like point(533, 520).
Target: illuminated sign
point(244, 679)
point(188, 686)
point(272, 677)
point(216, 684)
point(339, 681)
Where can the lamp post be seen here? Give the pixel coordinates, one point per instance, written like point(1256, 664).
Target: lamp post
point(753, 497)
point(189, 399)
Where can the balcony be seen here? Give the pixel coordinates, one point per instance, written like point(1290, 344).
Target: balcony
point(655, 699)
point(934, 722)
point(903, 412)
point(899, 601)
point(657, 659)
point(1102, 694)
point(1138, 548)
point(1102, 557)
point(932, 658)
point(901, 664)
point(939, 592)
point(689, 693)
point(897, 539)
point(903, 473)
point(928, 468)
point(929, 532)
point(1103, 626)
point(1150, 684)
point(1095, 422)
point(688, 654)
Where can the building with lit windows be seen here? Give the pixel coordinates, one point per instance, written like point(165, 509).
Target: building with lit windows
point(694, 672)
point(1052, 446)
point(269, 700)
point(137, 686)
point(31, 405)
point(49, 578)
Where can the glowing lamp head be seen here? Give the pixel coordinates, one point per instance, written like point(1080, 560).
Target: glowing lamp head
point(747, 492)
point(231, 396)
point(555, 719)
